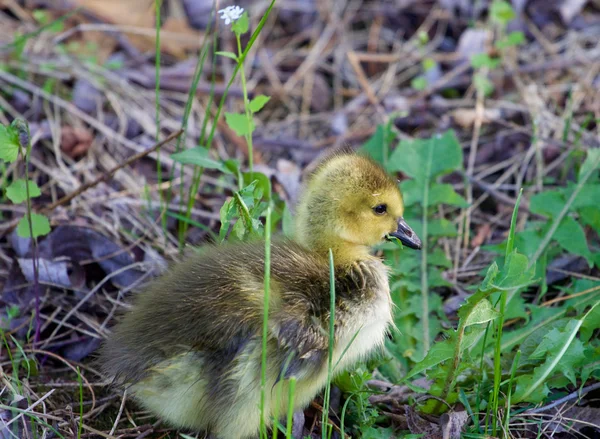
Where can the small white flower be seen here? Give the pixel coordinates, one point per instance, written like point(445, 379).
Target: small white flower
point(231, 13)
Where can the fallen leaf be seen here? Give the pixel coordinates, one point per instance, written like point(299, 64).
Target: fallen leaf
point(483, 232)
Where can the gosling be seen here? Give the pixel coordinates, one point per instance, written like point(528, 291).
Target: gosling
point(190, 348)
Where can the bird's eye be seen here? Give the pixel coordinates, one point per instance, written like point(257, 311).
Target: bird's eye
point(380, 209)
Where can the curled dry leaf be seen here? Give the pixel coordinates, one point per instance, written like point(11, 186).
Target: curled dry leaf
point(62, 272)
point(82, 244)
point(452, 424)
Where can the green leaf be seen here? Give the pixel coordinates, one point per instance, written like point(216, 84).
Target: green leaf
point(413, 192)
point(514, 273)
point(561, 351)
point(39, 224)
point(374, 146)
point(515, 38)
point(258, 102)
point(9, 144)
point(482, 312)
point(428, 64)
point(501, 12)
point(231, 55)
point(480, 60)
point(426, 159)
point(17, 192)
point(419, 83)
point(200, 156)
point(547, 203)
point(591, 163)
point(239, 123)
point(240, 26)
point(571, 237)
point(442, 351)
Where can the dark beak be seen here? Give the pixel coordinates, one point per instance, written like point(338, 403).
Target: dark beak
point(406, 235)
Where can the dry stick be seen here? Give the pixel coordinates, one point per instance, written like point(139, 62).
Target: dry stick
point(110, 173)
point(577, 393)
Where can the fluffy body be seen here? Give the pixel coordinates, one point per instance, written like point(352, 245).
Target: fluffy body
point(190, 348)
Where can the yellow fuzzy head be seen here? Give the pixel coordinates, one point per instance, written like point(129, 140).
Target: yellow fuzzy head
point(351, 201)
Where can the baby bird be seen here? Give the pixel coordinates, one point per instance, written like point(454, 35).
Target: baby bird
point(189, 350)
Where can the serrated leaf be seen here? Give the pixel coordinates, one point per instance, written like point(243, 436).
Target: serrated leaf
point(9, 144)
point(258, 103)
point(240, 26)
point(200, 156)
point(39, 224)
point(561, 351)
point(239, 123)
point(227, 55)
point(17, 192)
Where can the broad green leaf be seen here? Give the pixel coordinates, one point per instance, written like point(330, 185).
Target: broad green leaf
point(547, 203)
point(17, 192)
point(501, 12)
point(239, 123)
point(39, 224)
point(240, 26)
point(591, 322)
point(591, 163)
point(9, 144)
point(561, 351)
point(591, 217)
point(514, 273)
point(571, 237)
point(482, 312)
point(587, 196)
point(425, 159)
point(440, 227)
point(258, 103)
point(374, 146)
point(227, 213)
point(445, 194)
point(413, 192)
point(200, 156)
point(227, 55)
point(442, 351)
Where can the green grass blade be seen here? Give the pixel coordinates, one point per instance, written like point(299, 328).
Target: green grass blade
point(290, 413)
point(326, 396)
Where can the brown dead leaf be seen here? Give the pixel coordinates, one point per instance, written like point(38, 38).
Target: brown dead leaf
point(140, 14)
point(482, 234)
point(452, 424)
point(75, 141)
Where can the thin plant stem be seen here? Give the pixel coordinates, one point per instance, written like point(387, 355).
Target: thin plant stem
point(163, 217)
point(80, 381)
point(246, 106)
point(265, 328)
